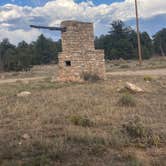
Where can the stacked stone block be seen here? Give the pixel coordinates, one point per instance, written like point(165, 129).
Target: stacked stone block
point(79, 55)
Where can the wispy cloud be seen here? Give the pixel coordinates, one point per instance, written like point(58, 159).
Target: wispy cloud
point(15, 20)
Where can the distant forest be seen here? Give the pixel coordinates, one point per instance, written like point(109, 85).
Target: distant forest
point(119, 42)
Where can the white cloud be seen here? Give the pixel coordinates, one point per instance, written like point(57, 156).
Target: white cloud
point(18, 35)
point(9, 12)
point(15, 20)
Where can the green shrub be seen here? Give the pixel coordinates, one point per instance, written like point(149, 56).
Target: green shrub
point(154, 140)
point(147, 78)
point(90, 77)
point(137, 130)
point(127, 100)
point(80, 121)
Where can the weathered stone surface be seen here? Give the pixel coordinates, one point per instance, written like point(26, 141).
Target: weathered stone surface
point(24, 94)
point(79, 55)
point(133, 87)
point(25, 136)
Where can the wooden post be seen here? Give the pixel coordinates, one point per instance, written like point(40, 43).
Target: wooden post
point(138, 34)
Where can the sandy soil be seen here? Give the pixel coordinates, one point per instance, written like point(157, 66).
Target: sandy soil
point(6, 81)
point(155, 72)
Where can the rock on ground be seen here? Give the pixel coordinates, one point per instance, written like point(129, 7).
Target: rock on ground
point(133, 87)
point(24, 94)
point(25, 136)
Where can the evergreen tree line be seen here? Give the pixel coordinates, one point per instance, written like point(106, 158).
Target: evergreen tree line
point(24, 55)
point(120, 42)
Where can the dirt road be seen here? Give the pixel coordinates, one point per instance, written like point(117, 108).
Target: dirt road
point(154, 72)
point(6, 81)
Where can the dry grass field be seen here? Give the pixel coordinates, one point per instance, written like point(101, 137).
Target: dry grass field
point(83, 124)
point(124, 65)
point(112, 66)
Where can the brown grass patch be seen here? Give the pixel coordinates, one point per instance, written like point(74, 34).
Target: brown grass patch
point(96, 135)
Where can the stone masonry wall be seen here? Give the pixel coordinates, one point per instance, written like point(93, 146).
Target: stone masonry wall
point(78, 54)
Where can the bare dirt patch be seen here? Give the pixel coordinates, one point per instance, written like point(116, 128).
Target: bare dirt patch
point(152, 72)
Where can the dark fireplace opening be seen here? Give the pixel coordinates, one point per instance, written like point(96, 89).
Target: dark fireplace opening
point(68, 63)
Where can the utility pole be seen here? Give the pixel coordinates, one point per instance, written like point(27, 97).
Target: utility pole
point(138, 34)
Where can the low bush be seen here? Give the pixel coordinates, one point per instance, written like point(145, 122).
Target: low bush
point(135, 128)
point(148, 78)
point(81, 121)
point(127, 100)
point(90, 77)
point(139, 133)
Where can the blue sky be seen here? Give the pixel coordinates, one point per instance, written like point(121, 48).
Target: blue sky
point(35, 3)
point(17, 15)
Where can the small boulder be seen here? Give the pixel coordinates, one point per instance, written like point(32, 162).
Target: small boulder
point(24, 94)
point(25, 136)
point(133, 87)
